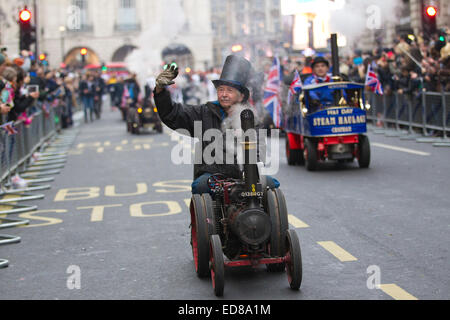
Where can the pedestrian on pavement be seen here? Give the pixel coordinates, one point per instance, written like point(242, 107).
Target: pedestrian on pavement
point(87, 91)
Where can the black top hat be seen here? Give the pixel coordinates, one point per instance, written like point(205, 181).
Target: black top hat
point(318, 60)
point(236, 73)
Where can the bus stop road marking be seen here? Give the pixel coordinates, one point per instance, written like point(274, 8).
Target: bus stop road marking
point(396, 292)
point(386, 146)
point(296, 222)
point(337, 251)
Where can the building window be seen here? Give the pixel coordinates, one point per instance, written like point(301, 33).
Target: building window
point(126, 16)
point(82, 8)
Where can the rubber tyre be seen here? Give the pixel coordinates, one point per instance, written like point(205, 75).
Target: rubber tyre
point(158, 127)
point(134, 130)
point(217, 265)
point(294, 269)
point(199, 236)
point(310, 155)
point(276, 208)
point(364, 152)
point(294, 156)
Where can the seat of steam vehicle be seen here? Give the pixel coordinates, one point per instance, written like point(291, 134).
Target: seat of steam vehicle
point(206, 183)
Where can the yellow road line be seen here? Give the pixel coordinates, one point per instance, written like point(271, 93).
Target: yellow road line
point(396, 292)
point(296, 222)
point(337, 251)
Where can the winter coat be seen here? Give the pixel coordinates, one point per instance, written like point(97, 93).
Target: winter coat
point(212, 116)
point(21, 104)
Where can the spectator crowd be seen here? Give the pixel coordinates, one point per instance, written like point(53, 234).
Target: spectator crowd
point(412, 63)
point(26, 86)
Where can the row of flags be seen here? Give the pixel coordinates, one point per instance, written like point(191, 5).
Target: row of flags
point(9, 127)
point(272, 99)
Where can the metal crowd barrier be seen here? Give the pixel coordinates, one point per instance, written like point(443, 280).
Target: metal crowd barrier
point(16, 151)
point(412, 117)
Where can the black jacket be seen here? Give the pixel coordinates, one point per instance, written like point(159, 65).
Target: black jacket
point(84, 85)
point(21, 104)
point(177, 116)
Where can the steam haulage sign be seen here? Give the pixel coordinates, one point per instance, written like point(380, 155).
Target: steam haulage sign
point(335, 121)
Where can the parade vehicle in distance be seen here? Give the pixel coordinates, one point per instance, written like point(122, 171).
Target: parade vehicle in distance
point(143, 117)
point(318, 132)
point(119, 69)
point(328, 130)
point(244, 221)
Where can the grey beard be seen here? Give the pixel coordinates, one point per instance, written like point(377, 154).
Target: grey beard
point(233, 120)
point(232, 123)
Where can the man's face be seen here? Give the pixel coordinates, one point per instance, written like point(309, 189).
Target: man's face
point(228, 96)
point(320, 69)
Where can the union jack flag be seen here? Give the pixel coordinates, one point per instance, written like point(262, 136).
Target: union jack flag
point(373, 82)
point(296, 87)
point(272, 101)
point(9, 128)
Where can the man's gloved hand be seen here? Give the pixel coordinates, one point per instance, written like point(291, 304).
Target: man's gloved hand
point(167, 76)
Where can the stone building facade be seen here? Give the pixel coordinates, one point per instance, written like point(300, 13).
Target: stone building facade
point(111, 29)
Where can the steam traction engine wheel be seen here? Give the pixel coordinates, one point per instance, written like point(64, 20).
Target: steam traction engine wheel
point(276, 207)
point(364, 152)
point(310, 154)
point(294, 267)
point(202, 226)
point(217, 265)
point(294, 156)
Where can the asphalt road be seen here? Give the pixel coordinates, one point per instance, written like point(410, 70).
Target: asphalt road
point(117, 216)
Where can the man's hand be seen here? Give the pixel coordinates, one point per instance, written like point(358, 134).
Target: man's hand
point(167, 76)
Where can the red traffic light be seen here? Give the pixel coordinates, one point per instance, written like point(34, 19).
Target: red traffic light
point(25, 15)
point(431, 11)
point(83, 51)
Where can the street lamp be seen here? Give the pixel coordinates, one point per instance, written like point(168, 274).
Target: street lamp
point(236, 48)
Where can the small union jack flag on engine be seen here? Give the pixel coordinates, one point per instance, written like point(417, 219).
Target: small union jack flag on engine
point(373, 82)
point(272, 101)
point(296, 87)
point(9, 128)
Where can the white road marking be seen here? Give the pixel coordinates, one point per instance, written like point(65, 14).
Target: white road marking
point(386, 146)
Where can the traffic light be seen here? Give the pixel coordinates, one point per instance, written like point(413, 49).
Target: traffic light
point(27, 31)
point(43, 59)
point(441, 41)
point(83, 52)
point(429, 14)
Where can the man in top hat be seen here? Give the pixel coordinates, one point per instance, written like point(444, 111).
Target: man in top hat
point(223, 114)
point(320, 67)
